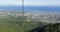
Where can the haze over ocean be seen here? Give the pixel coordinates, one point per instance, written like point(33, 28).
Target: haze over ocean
point(31, 5)
point(32, 8)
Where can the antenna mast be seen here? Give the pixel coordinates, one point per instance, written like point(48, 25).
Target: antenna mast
point(23, 14)
point(23, 7)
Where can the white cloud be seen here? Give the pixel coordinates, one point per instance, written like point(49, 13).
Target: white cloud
point(10, 2)
point(30, 2)
point(42, 2)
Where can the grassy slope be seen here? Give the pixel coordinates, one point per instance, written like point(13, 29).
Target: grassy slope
point(13, 24)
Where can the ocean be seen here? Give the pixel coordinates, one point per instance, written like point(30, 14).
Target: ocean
point(32, 8)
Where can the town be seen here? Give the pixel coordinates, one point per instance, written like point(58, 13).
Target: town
point(44, 17)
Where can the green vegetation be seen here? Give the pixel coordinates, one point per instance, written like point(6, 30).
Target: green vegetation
point(17, 24)
point(48, 28)
point(20, 24)
point(52, 27)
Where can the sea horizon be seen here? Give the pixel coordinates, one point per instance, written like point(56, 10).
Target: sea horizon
point(37, 9)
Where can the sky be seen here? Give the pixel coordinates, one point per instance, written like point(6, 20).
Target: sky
point(30, 2)
point(10, 2)
point(42, 2)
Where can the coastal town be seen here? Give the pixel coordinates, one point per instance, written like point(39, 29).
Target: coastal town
point(44, 17)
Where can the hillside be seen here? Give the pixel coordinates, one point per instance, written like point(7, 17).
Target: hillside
point(48, 28)
point(17, 24)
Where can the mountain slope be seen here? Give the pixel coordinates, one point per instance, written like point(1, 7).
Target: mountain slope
point(48, 28)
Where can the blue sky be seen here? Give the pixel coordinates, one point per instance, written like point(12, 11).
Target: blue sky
point(30, 2)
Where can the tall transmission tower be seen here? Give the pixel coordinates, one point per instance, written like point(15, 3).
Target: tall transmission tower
point(23, 7)
point(23, 15)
